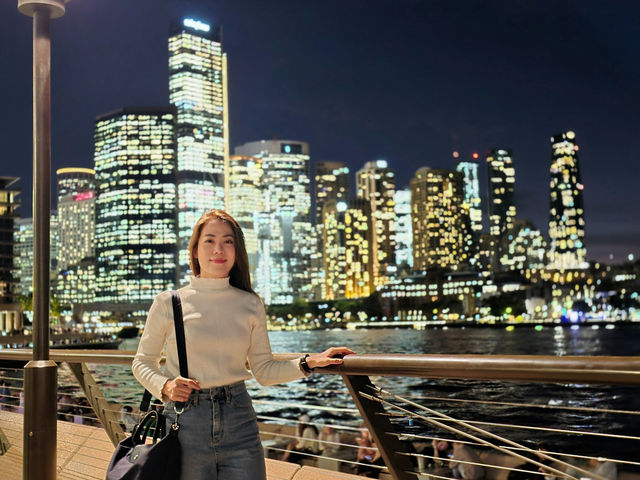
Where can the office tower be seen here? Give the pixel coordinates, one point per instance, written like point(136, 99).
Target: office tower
point(8, 204)
point(566, 219)
point(197, 88)
point(285, 240)
point(472, 211)
point(331, 183)
point(437, 212)
point(348, 241)
point(75, 286)
point(526, 248)
point(471, 188)
point(501, 176)
point(501, 207)
point(23, 256)
point(375, 183)
point(246, 201)
point(135, 228)
point(76, 215)
point(23, 252)
point(73, 180)
point(404, 237)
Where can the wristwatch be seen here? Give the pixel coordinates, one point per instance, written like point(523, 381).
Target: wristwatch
point(304, 366)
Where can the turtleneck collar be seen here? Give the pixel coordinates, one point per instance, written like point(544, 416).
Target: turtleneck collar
point(200, 283)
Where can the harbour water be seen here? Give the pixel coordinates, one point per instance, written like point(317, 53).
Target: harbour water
point(119, 385)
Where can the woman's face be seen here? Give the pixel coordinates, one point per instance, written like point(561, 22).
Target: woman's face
point(216, 251)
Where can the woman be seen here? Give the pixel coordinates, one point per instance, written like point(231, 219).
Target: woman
point(225, 325)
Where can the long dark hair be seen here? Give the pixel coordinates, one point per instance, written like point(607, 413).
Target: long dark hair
point(239, 275)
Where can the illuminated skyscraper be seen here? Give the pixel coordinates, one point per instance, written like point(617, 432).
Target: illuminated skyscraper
point(8, 204)
point(197, 88)
point(284, 231)
point(526, 248)
point(348, 262)
point(23, 252)
point(471, 187)
point(75, 180)
point(566, 220)
point(404, 237)
point(502, 207)
point(502, 177)
point(438, 219)
point(76, 215)
point(246, 201)
point(331, 183)
point(375, 182)
point(135, 230)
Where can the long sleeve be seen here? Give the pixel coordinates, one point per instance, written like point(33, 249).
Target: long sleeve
point(265, 369)
point(146, 364)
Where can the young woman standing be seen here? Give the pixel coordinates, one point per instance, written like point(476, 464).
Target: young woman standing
point(225, 326)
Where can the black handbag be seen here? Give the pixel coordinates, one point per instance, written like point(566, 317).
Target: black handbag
point(134, 458)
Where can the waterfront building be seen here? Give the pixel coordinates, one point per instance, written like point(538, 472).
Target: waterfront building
point(75, 180)
point(331, 183)
point(135, 226)
point(436, 296)
point(566, 211)
point(471, 189)
point(501, 205)
point(198, 90)
point(486, 252)
point(404, 236)
point(348, 241)
point(375, 183)
point(23, 256)
point(75, 286)
point(76, 215)
point(472, 211)
point(525, 248)
point(246, 180)
point(437, 219)
point(9, 310)
point(284, 230)
point(502, 177)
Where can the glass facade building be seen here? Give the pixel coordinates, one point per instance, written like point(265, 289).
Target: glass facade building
point(331, 183)
point(246, 179)
point(348, 260)
point(76, 215)
point(375, 182)
point(283, 227)
point(197, 88)
point(502, 178)
point(437, 212)
point(526, 248)
point(566, 212)
point(404, 237)
point(135, 226)
point(8, 204)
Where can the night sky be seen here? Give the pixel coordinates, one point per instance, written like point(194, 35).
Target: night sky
point(402, 80)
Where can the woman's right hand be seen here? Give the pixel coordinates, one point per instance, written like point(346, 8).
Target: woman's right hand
point(179, 389)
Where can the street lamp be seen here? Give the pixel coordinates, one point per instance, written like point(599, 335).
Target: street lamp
point(40, 382)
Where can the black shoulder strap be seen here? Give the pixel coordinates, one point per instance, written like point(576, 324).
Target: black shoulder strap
point(179, 326)
point(181, 344)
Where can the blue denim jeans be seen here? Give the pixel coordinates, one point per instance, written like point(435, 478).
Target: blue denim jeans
point(219, 435)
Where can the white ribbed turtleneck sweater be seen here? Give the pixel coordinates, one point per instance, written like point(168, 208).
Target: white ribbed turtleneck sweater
point(224, 327)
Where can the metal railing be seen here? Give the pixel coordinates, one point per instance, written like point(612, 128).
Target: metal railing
point(401, 425)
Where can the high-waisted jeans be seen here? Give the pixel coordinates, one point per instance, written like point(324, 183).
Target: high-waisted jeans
point(219, 435)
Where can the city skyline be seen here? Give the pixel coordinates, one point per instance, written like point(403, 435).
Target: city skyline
point(589, 92)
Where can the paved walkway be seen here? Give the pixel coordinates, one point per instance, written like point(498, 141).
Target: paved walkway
point(84, 453)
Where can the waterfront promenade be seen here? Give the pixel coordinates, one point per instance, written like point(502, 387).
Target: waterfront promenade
point(84, 452)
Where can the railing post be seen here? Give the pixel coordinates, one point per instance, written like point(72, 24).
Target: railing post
point(40, 375)
point(380, 427)
point(109, 419)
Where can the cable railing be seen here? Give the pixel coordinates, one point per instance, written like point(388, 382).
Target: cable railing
point(462, 419)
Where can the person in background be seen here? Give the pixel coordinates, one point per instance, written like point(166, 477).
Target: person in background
point(225, 326)
point(305, 445)
point(328, 439)
point(369, 457)
point(467, 470)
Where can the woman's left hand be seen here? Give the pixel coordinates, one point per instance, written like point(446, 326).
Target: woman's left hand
point(331, 356)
